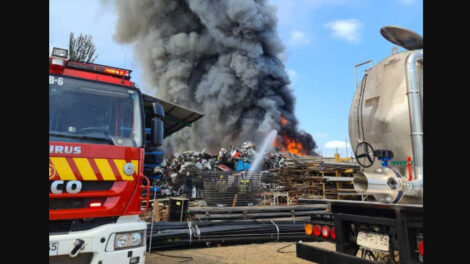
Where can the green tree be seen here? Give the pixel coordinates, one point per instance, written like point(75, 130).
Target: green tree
point(82, 48)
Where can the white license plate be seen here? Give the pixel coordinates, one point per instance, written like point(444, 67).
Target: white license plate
point(373, 241)
point(53, 248)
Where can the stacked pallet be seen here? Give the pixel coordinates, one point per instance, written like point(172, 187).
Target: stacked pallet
point(158, 210)
point(316, 177)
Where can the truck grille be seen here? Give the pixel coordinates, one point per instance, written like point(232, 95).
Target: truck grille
point(77, 203)
point(84, 258)
point(72, 203)
point(64, 226)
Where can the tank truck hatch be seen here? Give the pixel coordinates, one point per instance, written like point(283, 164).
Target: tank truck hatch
point(402, 37)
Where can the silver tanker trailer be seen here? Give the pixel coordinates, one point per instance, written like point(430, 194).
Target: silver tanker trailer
point(386, 133)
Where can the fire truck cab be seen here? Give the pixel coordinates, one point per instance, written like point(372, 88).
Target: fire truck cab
point(97, 145)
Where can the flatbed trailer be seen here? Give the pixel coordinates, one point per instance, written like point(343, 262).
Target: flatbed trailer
point(401, 223)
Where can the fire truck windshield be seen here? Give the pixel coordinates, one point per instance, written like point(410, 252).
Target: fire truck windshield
point(92, 112)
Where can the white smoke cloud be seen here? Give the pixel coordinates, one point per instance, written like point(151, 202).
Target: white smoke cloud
point(346, 29)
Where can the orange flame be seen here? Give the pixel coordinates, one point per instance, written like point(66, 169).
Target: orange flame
point(283, 121)
point(286, 144)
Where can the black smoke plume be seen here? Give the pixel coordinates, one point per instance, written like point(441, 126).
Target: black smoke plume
point(219, 57)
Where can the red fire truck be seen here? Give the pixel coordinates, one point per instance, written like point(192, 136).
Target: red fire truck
point(97, 142)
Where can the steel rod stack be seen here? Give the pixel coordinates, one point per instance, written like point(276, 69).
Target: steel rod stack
point(256, 212)
point(177, 234)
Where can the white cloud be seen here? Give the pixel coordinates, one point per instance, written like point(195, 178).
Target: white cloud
point(346, 29)
point(298, 38)
point(337, 144)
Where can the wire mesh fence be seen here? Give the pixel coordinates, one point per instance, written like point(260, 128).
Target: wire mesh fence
point(228, 188)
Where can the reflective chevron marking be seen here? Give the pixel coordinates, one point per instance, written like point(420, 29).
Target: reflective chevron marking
point(82, 168)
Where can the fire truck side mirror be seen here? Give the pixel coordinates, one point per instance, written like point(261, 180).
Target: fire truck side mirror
point(156, 132)
point(157, 110)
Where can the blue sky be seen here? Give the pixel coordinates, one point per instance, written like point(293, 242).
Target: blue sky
point(324, 39)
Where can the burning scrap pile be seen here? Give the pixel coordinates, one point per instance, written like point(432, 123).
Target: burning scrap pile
point(228, 177)
point(218, 178)
point(289, 171)
point(231, 159)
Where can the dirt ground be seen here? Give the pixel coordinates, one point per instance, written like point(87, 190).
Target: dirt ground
point(249, 254)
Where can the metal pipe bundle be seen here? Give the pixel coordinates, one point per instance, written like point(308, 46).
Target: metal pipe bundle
point(168, 234)
point(258, 212)
point(256, 209)
point(252, 215)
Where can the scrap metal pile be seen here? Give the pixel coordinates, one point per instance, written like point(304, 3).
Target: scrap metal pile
point(223, 178)
point(195, 164)
point(229, 159)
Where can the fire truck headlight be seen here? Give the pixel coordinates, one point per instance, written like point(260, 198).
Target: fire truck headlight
point(128, 240)
point(136, 239)
point(121, 240)
point(57, 52)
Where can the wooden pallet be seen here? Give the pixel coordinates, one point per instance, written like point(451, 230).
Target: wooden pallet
point(308, 176)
